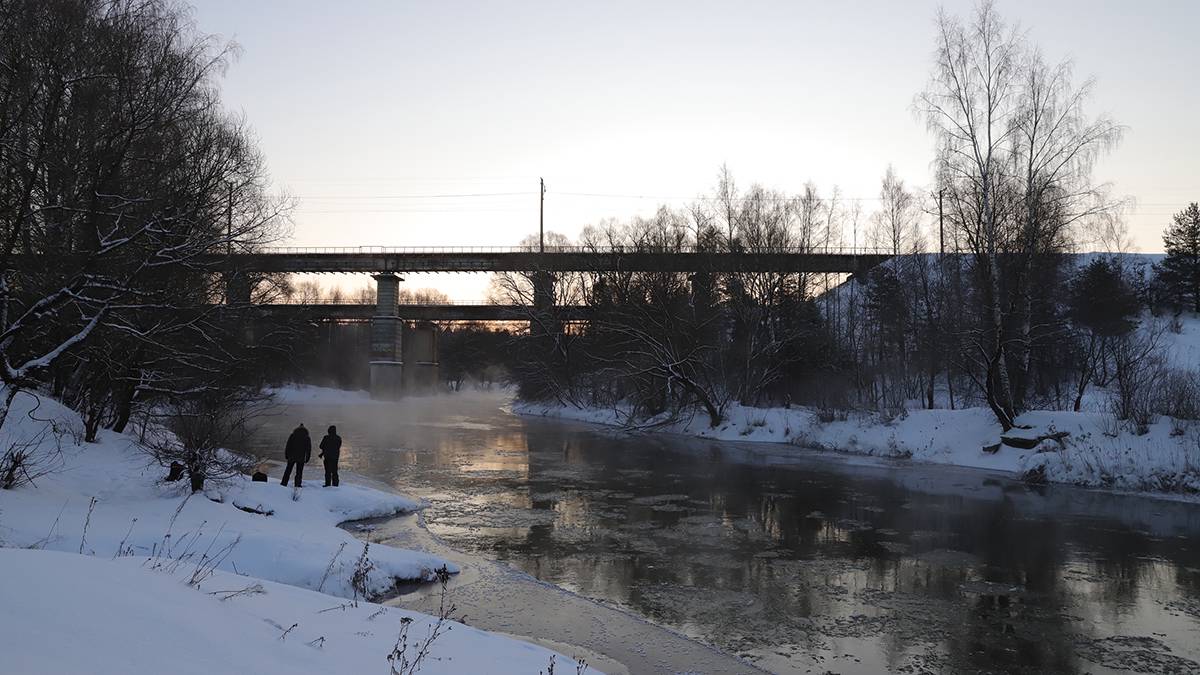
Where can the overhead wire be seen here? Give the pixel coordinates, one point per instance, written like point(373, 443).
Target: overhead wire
point(359, 203)
point(467, 195)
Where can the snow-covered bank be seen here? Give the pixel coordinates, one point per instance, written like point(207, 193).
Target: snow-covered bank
point(124, 607)
point(307, 394)
point(1090, 455)
point(137, 513)
point(68, 613)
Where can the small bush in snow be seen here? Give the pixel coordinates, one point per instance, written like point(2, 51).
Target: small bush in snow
point(24, 461)
point(406, 659)
point(360, 579)
point(197, 431)
point(1179, 395)
point(581, 666)
point(1138, 366)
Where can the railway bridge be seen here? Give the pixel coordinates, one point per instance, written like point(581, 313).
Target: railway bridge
point(388, 317)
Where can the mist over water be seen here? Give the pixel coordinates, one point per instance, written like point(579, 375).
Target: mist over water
point(796, 560)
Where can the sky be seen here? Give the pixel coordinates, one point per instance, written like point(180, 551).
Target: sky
point(371, 112)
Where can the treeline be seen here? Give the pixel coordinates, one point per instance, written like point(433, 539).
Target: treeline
point(661, 342)
point(122, 183)
point(982, 303)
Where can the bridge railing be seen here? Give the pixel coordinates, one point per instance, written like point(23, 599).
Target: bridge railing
point(439, 303)
point(433, 250)
point(298, 302)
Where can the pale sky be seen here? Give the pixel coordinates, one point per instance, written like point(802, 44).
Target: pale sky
point(364, 107)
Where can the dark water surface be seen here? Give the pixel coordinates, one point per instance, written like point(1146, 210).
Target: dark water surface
point(796, 561)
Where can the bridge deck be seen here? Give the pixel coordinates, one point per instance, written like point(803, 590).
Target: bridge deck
point(563, 259)
point(423, 312)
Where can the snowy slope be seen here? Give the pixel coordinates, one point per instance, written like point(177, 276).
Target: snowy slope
point(1157, 461)
point(124, 607)
point(1097, 452)
point(67, 613)
point(303, 394)
point(134, 510)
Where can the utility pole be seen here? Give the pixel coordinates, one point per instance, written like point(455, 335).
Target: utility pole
point(542, 216)
point(942, 284)
point(941, 228)
point(229, 217)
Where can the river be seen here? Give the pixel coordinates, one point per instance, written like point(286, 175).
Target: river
point(769, 556)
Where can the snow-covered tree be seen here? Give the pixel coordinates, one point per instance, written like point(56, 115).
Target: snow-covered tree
point(1103, 306)
point(121, 177)
point(1179, 272)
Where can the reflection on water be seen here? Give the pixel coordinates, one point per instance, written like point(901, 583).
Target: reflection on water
point(808, 564)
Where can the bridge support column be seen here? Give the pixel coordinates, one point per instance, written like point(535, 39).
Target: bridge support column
point(238, 287)
point(543, 304)
point(421, 357)
point(703, 286)
point(387, 364)
point(543, 290)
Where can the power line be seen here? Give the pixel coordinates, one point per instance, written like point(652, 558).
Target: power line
point(436, 196)
point(466, 208)
point(706, 198)
point(417, 210)
point(411, 179)
point(792, 198)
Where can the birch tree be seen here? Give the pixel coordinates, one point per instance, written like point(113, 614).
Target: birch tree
point(1016, 150)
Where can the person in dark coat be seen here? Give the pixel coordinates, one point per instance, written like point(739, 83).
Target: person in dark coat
point(297, 453)
point(331, 450)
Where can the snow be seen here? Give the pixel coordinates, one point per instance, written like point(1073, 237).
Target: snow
point(1182, 349)
point(303, 394)
point(1095, 453)
point(73, 613)
point(117, 608)
point(135, 509)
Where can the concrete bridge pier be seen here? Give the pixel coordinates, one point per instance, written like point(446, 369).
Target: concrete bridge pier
point(543, 304)
point(703, 287)
point(238, 287)
point(543, 291)
point(387, 331)
point(420, 357)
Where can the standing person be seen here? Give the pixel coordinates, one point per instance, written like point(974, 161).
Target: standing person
point(297, 453)
point(331, 450)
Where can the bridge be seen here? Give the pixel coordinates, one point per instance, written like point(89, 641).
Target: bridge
point(441, 313)
point(376, 259)
point(395, 342)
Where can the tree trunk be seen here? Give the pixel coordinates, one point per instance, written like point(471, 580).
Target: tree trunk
point(995, 368)
point(8, 399)
point(196, 475)
point(1085, 376)
point(124, 408)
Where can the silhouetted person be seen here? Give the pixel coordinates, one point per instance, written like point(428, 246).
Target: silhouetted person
point(331, 450)
point(297, 452)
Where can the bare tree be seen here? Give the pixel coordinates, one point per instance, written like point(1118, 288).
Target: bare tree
point(895, 223)
point(123, 181)
point(202, 428)
point(549, 364)
point(1016, 152)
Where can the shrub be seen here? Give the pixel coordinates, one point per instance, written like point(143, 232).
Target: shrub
point(196, 432)
point(1179, 394)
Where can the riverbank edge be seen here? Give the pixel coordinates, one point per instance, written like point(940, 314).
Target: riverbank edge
point(104, 508)
point(1160, 464)
point(585, 650)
